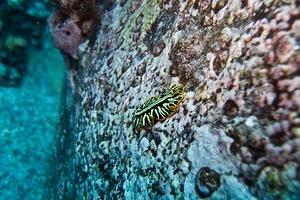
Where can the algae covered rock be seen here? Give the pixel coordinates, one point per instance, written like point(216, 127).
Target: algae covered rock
point(239, 62)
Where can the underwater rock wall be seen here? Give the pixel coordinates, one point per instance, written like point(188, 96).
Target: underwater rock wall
point(237, 133)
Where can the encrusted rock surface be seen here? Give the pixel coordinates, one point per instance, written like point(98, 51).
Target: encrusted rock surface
point(240, 63)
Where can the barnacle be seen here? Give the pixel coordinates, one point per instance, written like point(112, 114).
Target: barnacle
point(159, 108)
point(207, 182)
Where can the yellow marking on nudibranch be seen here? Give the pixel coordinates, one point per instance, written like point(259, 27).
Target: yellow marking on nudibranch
point(159, 108)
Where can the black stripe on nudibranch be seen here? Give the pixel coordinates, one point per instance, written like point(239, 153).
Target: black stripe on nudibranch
point(159, 108)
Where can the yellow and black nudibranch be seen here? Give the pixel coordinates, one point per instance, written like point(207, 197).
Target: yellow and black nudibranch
point(159, 108)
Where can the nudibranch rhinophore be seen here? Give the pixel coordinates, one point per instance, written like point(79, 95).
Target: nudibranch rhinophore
point(159, 108)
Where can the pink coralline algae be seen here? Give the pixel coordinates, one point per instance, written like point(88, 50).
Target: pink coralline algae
point(66, 34)
point(258, 78)
point(284, 46)
point(71, 23)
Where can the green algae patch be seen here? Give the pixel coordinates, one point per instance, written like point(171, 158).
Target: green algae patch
point(150, 15)
point(15, 42)
point(146, 15)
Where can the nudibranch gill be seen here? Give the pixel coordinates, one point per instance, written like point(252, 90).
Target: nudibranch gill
point(159, 108)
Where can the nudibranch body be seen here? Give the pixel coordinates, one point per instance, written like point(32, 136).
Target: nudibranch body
point(159, 108)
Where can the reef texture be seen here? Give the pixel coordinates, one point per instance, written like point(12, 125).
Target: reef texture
point(236, 135)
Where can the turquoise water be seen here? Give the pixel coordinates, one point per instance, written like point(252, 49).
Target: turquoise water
point(31, 80)
point(29, 118)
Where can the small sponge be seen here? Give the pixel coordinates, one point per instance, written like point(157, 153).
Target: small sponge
point(67, 36)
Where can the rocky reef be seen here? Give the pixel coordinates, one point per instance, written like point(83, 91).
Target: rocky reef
point(236, 134)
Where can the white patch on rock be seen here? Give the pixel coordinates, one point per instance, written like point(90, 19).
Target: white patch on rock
point(210, 149)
